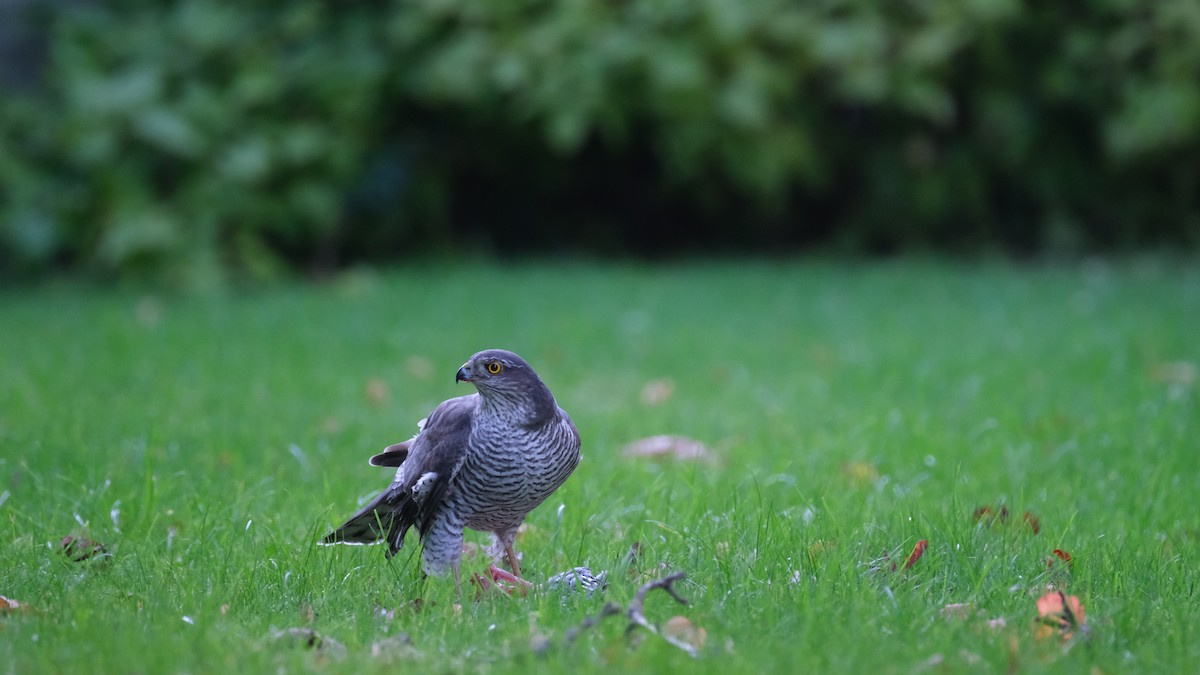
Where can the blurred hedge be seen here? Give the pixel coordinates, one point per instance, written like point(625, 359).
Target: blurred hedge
point(198, 139)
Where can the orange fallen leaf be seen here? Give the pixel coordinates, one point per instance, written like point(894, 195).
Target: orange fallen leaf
point(885, 562)
point(917, 552)
point(1060, 555)
point(990, 517)
point(1059, 612)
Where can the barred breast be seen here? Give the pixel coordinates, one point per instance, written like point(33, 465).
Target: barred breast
point(509, 471)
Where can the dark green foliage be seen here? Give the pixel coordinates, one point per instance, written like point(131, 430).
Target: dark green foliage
point(233, 137)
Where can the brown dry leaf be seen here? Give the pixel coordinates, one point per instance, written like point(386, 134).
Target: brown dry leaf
point(658, 391)
point(419, 367)
point(1032, 521)
point(669, 447)
point(681, 632)
point(989, 517)
point(1179, 373)
point(376, 391)
point(78, 549)
point(861, 474)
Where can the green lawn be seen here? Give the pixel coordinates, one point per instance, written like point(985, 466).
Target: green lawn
point(853, 409)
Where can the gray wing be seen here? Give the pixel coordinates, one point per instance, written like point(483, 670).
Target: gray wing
point(426, 463)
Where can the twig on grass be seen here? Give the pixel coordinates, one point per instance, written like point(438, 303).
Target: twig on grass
point(635, 613)
point(637, 616)
point(609, 609)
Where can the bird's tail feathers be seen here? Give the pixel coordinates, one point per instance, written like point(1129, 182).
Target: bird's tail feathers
point(383, 519)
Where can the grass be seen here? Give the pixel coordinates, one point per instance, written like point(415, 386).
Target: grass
point(855, 409)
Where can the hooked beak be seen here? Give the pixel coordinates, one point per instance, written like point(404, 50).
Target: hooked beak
point(463, 375)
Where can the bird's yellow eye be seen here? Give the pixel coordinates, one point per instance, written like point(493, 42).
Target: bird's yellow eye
point(494, 367)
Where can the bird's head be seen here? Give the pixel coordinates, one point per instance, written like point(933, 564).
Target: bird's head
point(495, 369)
point(501, 375)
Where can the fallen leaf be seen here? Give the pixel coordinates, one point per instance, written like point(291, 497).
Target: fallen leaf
point(669, 447)
point(656, 392)
point(9, 605)
point(1179, 373)
point(958, 610)
point(376, 391)
point(78, 549)
point(1059, 613)
point(397, 647)
point(917, 552)
point(309, 639)
point(1032, 521)
point(989, 517)
point(820, 546)
point(419, 367)
point(861, 473)
point(1060, 555)
point(682, 633)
